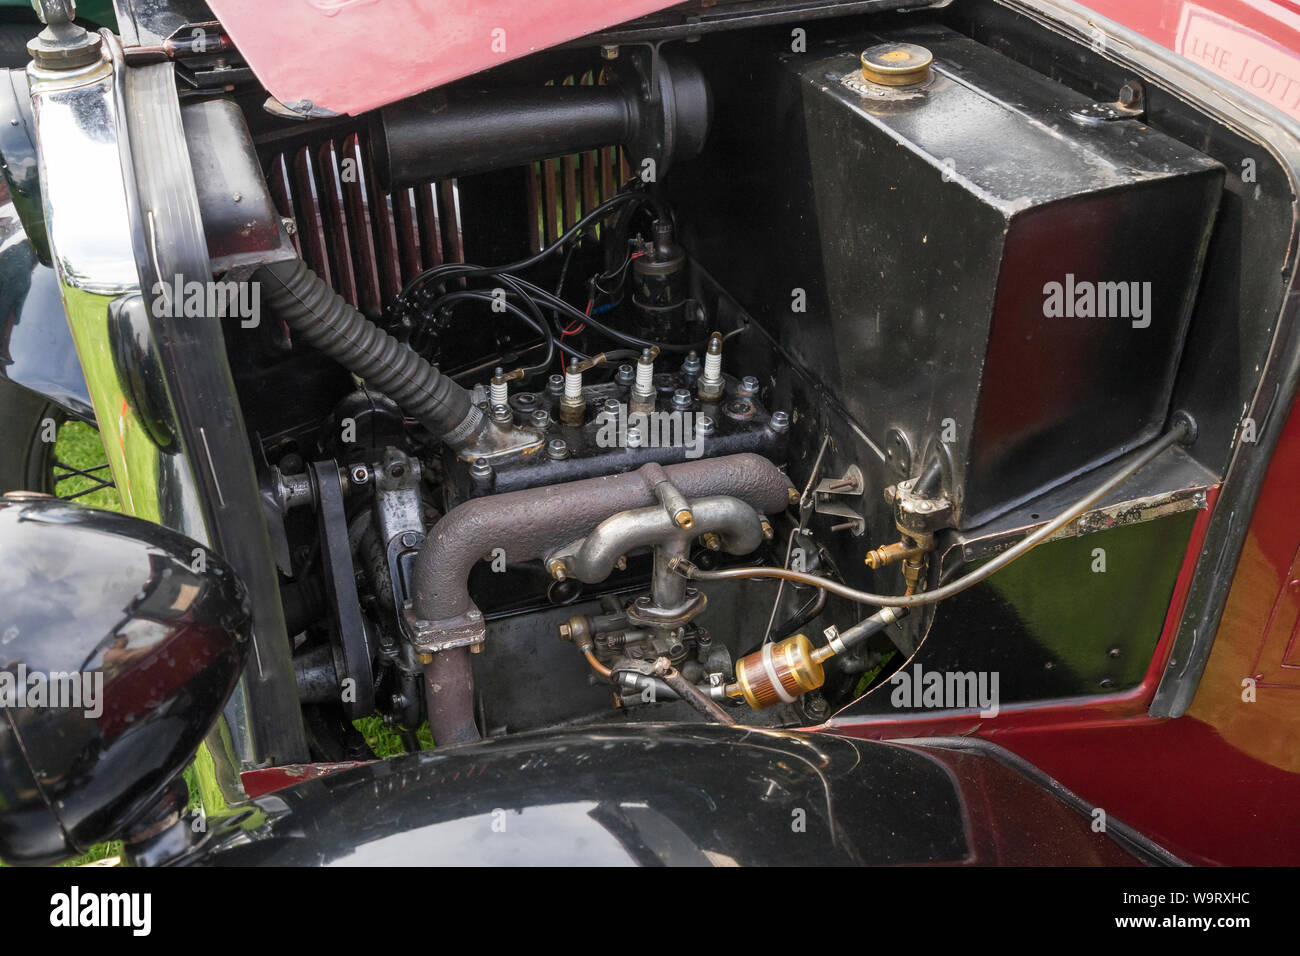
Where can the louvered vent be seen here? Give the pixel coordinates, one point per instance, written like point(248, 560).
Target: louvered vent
point(365, 242)
point(368, 243)
point(561, 191)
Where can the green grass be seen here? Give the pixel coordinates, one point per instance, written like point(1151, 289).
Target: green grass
point(386, 742)
point(78, 445)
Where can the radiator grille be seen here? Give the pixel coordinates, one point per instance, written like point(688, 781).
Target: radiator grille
point(365, 242)
point(368, 243)
point(562, 190)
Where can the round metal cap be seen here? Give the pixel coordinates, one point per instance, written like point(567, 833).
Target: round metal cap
point(896, 64)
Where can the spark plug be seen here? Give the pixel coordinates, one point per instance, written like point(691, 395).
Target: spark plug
point(499, 387)
point(499, 390)
point(643, 390)
point(711, 382)
point(573, 407)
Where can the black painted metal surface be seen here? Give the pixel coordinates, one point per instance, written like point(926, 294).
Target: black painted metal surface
point(900, 246)
point(666, 794)
point(154, 645)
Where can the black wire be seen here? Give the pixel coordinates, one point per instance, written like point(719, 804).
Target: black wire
point(814, 606)
point(564, 269)
point(811, 608)
point(621, 355)
point(450, 299)
point(537, 298)
point(513, 285)
point(551, 302)
point(465, 270)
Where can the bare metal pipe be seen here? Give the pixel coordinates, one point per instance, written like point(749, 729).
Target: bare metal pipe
point(593, 558)
point(449, 697)
point(534, 523)
point(690, 693)
point(1184, 429)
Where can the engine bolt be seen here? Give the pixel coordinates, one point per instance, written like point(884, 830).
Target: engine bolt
point(748, 386)
point(634, 437)
point(768, 532)
point(626, 375)
point(780, 420)
point(501, 414)
point(481, 468)
point(556, 569)
point(541, 418)
point(557, 449)
point(682, 399)
point(612, 407)
point(555, 384)
point(704, 425)
point(691, 365)
point(711, 541)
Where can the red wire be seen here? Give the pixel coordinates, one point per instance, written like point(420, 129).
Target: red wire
point(573, 328)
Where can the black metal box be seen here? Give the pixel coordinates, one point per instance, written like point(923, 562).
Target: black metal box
point(931, 253)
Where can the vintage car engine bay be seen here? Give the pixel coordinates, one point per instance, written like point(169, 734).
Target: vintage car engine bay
point(712, 377)
point(627, 433)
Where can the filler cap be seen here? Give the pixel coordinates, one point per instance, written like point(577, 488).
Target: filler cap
point(896, 64)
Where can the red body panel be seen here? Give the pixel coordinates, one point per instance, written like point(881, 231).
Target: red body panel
point(1217, 785)
point(1253, 44)
point(350, 56)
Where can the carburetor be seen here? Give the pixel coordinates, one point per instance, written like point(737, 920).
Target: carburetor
point(659, 624)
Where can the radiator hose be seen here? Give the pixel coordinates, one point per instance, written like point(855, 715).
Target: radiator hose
point(322, 319)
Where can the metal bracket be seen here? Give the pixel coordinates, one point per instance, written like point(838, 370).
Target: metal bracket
point(852, 485)
point(427, 638)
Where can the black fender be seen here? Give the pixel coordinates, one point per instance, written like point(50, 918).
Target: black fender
point(680, 794)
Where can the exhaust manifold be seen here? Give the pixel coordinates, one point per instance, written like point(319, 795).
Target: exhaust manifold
point(584, 525)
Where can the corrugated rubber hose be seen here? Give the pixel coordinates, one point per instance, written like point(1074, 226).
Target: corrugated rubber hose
point(321, 318)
